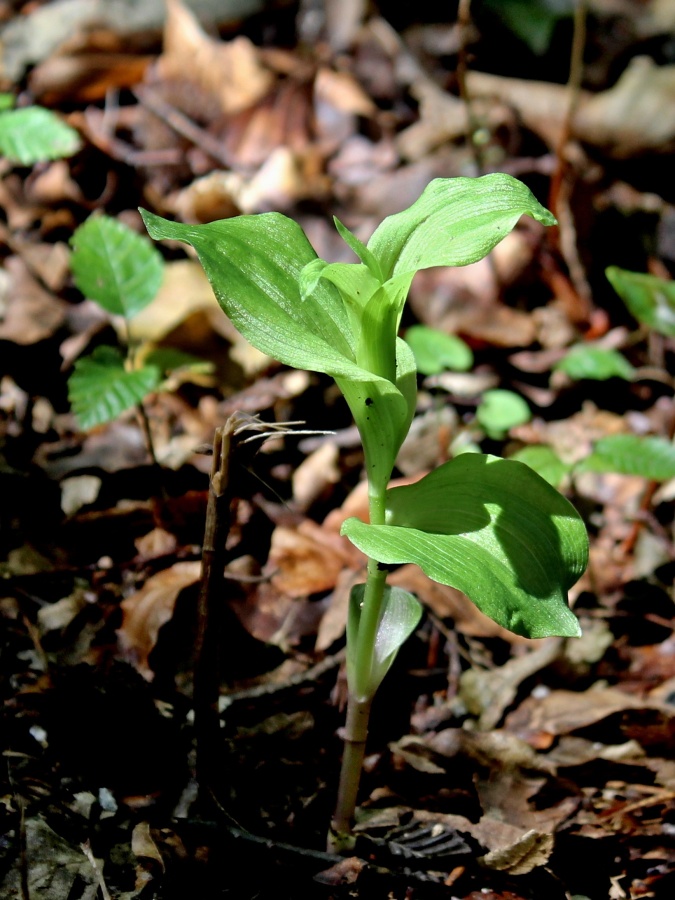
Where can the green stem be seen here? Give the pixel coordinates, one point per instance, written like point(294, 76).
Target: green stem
point(360, 694)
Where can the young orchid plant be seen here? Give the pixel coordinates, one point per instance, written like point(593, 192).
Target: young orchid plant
point(492, 528)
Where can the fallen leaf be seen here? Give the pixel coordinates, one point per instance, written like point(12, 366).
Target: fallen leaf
point(29, 312)
point(145, 611)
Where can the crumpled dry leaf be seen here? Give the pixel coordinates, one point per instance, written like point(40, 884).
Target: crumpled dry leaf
point(29, 312)
point(230, 72)
point(635, 116)
point(307, 559)
point(145, 611)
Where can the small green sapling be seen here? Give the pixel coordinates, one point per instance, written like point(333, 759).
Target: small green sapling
point(490, 527)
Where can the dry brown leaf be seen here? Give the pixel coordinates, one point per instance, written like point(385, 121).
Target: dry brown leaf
point(524, 854)
point(315, 475)
point(145, 611)
point(29, 313)
point(230, 72)
point(539, 719)
point(635, 116)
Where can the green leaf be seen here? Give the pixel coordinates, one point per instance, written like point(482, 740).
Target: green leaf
point(493, 529)
point(119, 269)
point(401, 613)
point(254, 264)
point(631, 454)
point(533, 21)
point(7, 101)
point(454, 222)
point(35, 134)
point(545, 462)
point(383, 413)
point(100, 388)
point(435, 351)
point(501, 410)
point(649, 299)
point(588, 361)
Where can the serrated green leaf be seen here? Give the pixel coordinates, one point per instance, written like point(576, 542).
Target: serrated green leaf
point(254, 264)
point(500, 410)
point(454, 222)
point(493, 529)
point(631, 454)
point(35, 134)
point(588, 361)
point(100, 388)
point(649, 299)
point(401, 613)
point(435, 351)
point(544, 461)
point(111, 264)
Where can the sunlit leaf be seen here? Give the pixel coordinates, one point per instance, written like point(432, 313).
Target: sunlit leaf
point(649, 299)
point(100, 388)
point(401, 613)
point(545, 462)
point(493, 529)
point(501, 410)
point(454, 222)
point(596, 363)
point(35, 134)
point(254, 264)
point(631, 454)
point(436, 351)
point(111, 264)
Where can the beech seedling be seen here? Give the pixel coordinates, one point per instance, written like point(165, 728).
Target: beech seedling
point(489, 527)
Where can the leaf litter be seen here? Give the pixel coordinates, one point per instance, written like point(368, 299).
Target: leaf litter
point(498, 767)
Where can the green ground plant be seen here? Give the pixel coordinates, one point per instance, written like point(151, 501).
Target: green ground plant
point(489, 527)
point(122, 272)
point(34, 134)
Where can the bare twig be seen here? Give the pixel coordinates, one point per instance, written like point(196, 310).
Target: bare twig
point(86, 849)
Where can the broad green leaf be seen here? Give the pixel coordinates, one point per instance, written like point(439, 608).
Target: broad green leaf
point(35, 134)
point(493, 529)
point(383, 413)
point(500, 410)
point(631, 454)
point(596, 363)
point(100, 388)
point(545, 462)
point(649, 299)
point(401, 613)
point(455, 221)
point(435, 351)
point(254, 264)
point(119, 269)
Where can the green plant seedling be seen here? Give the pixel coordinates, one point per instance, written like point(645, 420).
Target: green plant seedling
point(500, 410)
point(632, 454)
point(589, 361)
point(34, 134)
point(649, 299)
point(487, 526)
point(436, 351)
point(122, 271)
point(545, 462)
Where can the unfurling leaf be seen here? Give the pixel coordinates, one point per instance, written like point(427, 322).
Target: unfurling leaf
point(401, 613)
point(100, 388)
point(493, 529)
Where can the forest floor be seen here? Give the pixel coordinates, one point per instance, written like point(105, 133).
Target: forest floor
point(498, 767)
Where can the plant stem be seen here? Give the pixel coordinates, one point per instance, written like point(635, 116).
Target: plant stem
point(360, 694)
